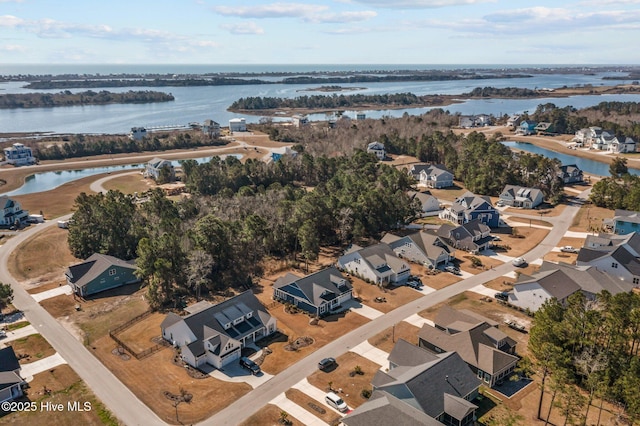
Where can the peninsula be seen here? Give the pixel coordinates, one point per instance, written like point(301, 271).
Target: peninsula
point(89, 97)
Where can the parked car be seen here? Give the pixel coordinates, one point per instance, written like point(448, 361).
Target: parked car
point(453, 269)
point(568, 249)
point(336, 402)
point(250, 365)
point(503, 295)
point(496, 237)
point(326, 363)
point(3, 334)
point(414, 284)
point(519, 261)
point(415, 278)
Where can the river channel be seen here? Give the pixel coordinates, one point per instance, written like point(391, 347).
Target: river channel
point(585, 164)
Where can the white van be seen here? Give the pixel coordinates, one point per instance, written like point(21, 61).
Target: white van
point(336, 402)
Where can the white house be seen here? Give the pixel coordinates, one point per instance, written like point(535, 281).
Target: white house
point(428, 203)
point(619, 262)
point(378, 149)
point(377, 263)
point(137, 133)
point(435, 176)
point(622, 144)
point(19, 155)
point(421, 247)
point(237, 125)
point(299, 120)
point(154, 167)
point(11, 212)
point(520, 196)
point(215, 334)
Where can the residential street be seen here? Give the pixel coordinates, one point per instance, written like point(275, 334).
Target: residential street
point(128, 408)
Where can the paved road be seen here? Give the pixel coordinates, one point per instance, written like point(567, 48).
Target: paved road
point(115, 395)
point(130, 410)
point(253, 401)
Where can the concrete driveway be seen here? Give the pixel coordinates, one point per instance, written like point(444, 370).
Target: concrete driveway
point(19, 334)
point(234, 373)
point(362, 309)
point(31, 369)
point(372, 353)
point(418, 321)
point(296, 411)
point(65, 289)
point(315, 393)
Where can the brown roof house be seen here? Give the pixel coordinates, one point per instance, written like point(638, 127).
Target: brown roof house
point(215, 334)
point(418, 383)
point(10, 381)
point(488, 351)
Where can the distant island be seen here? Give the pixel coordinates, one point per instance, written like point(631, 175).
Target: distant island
point(331, 89)
point(326, 103)
point(89, 97)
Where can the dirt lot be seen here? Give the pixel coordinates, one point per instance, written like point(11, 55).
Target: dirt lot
point(543, 210)
point(387, 339)
point(394, 296)
point(531, 237)
point(449, 194)
point(129, 183)
point(63, 385)
point(33, 348)
point(342, 379)
point(269, 415)
point(590, 218)
point(52, 259)
point(306, 402)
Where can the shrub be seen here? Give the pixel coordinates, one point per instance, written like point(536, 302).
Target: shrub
point(366, 393)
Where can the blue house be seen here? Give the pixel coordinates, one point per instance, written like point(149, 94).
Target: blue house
point(527, 128)
point(319, 293)
point(626, 222)
point(100, 272)
point(469, 207)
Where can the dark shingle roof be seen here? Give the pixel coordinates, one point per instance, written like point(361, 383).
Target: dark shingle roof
point(316, 288)
point(447, 316)
point(555, 282)
point(83, 273)
point(8, 360)
point(385, 409)
point(408, 355)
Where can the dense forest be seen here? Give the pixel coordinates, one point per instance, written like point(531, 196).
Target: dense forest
point(619, 191)
point(592, 344)
point(89, 97)
point(216, 239)
point(334, 101)
point(81, 146)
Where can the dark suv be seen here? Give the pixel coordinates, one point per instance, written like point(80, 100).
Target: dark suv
point(250, 365)
point(503, 295)
point(326, 363)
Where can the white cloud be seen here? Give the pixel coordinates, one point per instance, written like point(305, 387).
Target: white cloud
point(274, 10)
point(11, 21)
point(243, 28)
point(419, 4)
point(12, 48)
point(342, 17)
point(10, 1)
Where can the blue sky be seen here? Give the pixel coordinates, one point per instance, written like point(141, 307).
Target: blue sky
point(320, 32)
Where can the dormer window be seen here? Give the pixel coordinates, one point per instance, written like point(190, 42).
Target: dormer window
point(250, 314)
point(227, 326)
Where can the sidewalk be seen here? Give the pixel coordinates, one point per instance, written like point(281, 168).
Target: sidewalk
point(418, 321)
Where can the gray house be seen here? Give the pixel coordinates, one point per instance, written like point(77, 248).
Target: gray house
point(100, 272)
point(473, 236)
point(154, 168)
point(377, 264)
point(435, 176)
point(318, 293)
point(421, 247)
point(10, 381)
point(215, 334)
point(488, 351)
point(570, 173)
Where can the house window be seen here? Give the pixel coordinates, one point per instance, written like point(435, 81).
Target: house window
point(250, 314)
point(636, 280)
point(614, 265)
point(112, 272)
point(357, 261)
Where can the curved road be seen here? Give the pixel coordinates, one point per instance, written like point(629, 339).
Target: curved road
point(129, 409)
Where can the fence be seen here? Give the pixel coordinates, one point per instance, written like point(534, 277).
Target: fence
point(121, 327)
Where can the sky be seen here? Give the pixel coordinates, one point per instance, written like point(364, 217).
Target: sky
point(319, 32)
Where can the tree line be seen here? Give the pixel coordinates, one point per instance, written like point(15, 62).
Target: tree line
point(327, 101)
point(593, 345)
point(217, 238)
point(89, 97)
point(81, 146)
point(621, 190)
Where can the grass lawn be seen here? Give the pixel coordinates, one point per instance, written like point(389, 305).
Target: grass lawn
point(129, 183)
point(53, 256)
point(269, 415)
point(58, 201)
point(341, 378)
point(138, 336)
point(150, 377)
point(17, 325)
point(63, 386)
point(449, 194)
point(303, 400)
point(35, 347)
point(387, 339)
point(589, 218)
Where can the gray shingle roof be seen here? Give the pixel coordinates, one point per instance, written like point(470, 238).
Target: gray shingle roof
point(627, 216)
point(409, 355)
point(447, 316)
point(555, 282)
point(589, 279)
point(83, 273)
point(426, 385)
point(318, 287)
point(385, 409)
